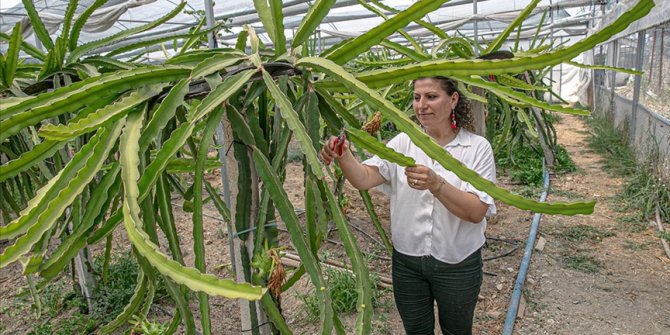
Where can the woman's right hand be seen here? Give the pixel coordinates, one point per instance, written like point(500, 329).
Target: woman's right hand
point(334, 148)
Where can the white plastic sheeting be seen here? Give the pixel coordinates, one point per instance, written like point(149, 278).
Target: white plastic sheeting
point(569, 18)
point(100, 21)
point(347, 16)
point(571, 83)
point(658, 15)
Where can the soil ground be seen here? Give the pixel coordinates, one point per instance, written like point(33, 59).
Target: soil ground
point(599, 274)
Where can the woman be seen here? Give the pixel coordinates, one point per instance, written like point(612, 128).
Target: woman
point(437, 220)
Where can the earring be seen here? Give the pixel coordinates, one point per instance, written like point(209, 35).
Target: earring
point(453, 119)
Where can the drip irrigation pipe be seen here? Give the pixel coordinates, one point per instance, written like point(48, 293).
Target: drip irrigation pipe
point(300, 211)
point(525, 262)
point(515, 243)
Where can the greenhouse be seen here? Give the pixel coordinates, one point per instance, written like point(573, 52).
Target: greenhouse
point(334, 166)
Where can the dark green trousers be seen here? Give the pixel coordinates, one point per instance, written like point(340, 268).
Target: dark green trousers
point(419, 282)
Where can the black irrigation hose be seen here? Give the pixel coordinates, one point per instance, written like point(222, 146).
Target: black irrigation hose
point(506, 253)
point(300, 211)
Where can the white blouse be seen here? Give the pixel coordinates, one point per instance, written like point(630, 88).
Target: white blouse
point(420, 224)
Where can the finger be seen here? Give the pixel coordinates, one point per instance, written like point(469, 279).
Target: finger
point(411, 178)
point(329, 147)
point(415, 169)
point(414, 175)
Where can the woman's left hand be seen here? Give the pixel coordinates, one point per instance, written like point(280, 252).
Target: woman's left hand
point(421, 177)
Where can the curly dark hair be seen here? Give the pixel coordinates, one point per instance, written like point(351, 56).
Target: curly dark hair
point(463, 113)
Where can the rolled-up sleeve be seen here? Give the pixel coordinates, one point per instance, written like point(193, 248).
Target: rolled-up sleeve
point(484, 166)
point(381, 164)
point(386, 168)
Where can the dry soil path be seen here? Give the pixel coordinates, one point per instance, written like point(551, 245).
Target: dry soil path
point(604, 273)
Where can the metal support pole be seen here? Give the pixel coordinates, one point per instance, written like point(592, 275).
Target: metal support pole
point(612, 48)
point(221, 138)
point(209, 17)
point(661, 52)
point(560, 76)
point(320, 38)
point(551, 33)
point(591, 24)
point(639, 60)
point(476, 27)
point(592, 101)
point(87, 282)
point(613, 62)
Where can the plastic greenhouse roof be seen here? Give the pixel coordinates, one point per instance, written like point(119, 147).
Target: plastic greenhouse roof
point(347, 18)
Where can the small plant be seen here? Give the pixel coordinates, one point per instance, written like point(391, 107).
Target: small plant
point(525, 165)
point(110, 299)
point(632, 245)
point(381, 325)
point(583, 263)
point(142, 326)
point(53, 298)
point(533, 300)
point(113, 295)
point(584, 232)
point(664, 235)
point(294, 154)
point(565, 193)
point(342, 288)
point(631, 224)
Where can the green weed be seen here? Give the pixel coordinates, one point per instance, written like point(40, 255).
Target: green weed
point(664, 235)
point(294, 154)
point(583, 263)
point(67, 309)
point(343, 293)
point(611, 143)
point(42, 329)
point(566, 194)
point(528, 191)
point(632, 245)
point(533, 300)
point(631, 224)
point(643, 190)
point(524, 165)
point(381, 325)
point(584, 232)
point(55, 298)
point(113, 295)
